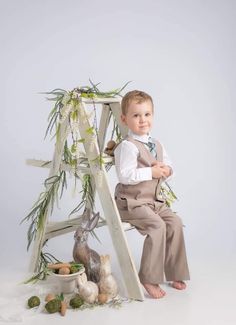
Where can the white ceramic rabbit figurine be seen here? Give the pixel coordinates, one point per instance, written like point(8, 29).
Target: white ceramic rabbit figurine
point(88, 290)
point(107, 283)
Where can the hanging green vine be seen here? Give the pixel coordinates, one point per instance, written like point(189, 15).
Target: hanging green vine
point(168, 194)
point(67, 107)
point(67, 103)
point(87, 194)
point(53, 186)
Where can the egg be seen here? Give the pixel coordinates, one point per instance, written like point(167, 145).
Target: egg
point(102, 298)
point(64, 271)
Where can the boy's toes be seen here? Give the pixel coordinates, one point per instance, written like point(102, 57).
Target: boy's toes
point(154, 291)
point(179, 285)
point(161, 292)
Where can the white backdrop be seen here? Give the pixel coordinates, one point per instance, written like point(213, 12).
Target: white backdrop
point(181, 52)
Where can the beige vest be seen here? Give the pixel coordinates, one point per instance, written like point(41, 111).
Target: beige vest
point(146, 191)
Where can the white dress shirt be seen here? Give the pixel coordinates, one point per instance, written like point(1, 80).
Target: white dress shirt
point(126, 155)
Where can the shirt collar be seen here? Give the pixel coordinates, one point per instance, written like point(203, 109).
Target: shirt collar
point(142, 138)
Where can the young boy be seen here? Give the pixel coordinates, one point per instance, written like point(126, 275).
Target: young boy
point(142, 164)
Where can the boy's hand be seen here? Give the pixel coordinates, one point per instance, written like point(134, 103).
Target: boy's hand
point(167, 171)
point(158, 163)
point(159, 169)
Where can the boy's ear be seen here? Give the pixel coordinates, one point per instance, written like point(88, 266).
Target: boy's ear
point(123, 118)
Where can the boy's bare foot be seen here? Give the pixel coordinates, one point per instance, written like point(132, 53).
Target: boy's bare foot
point(154, 290)
point(179, 285)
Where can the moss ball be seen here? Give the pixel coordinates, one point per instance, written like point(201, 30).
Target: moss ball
point(53, 306)
point(33, 301)
point(76, 302)
point(73, 269)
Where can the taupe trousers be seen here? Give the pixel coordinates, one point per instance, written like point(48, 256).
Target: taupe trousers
point(164, 255)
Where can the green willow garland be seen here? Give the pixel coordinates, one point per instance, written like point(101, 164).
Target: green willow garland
point(168, 194)
point(67, 105)
point(39, 209)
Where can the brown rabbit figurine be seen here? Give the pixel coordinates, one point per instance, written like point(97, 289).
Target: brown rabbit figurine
point(107, 283)
point(81, 251)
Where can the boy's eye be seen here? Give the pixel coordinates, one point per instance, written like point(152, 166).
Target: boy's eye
point(135, 115)
point(147, 114)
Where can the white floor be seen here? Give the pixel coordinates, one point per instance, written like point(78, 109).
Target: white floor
point(209, 299)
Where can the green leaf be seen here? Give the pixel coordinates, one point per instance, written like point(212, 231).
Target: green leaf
point(73, 148)
point(91, 130)
point(74, 115)
point(60, 297)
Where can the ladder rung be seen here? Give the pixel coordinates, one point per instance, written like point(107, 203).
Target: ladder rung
point(57, 228)
point(126, 226)
point(100, 100)
point(64, 166)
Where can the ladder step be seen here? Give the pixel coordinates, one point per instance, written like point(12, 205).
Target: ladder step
point(57, 228)
point(100, 100)
point(64, 166)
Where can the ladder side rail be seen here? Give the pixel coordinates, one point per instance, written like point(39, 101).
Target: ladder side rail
point(54, 169)
point(103, 126)
point(116, 111)
point(111, 212)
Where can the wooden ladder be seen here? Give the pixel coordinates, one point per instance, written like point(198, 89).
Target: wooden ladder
point(99, 173)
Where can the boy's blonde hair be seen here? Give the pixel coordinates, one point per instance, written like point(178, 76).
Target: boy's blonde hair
point(137, 96)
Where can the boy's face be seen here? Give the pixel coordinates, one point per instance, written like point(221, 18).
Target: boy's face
point(139, 117)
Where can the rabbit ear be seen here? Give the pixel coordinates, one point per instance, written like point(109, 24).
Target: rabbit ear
point(93, 221)
point(107, 258)
point(85, 218)
point(82, 278)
